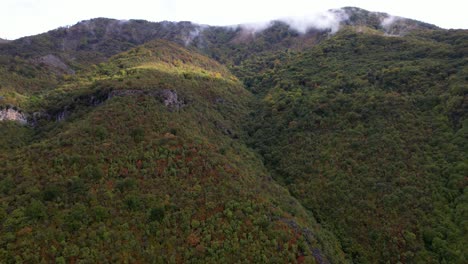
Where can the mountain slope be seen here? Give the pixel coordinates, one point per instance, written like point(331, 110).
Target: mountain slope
point(369, 133)
point(154, 171)
point(134, 148)
point(44, 61)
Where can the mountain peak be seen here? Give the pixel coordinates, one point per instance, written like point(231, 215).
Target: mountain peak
point(393, 25)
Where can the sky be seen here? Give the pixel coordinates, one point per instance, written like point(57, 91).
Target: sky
point(19, 18)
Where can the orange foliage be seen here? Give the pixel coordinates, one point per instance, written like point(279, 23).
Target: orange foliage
point(193, 239)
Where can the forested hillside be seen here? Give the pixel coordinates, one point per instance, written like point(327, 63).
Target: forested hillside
point(140, 142)
point(375, 132)
point(146, 165)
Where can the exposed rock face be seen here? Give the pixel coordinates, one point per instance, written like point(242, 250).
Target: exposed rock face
point(309, 237)
point(36, 116)
point(55, 64)
point(13, 115)
point(171, 99)
point(62, 115)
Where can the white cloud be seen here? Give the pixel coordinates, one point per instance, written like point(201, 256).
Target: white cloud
point(389, 21)
point(257, 26)
point(26, 17)
point(326, 20)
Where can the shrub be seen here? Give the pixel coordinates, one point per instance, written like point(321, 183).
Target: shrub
point(36, 210)
point(156, 214)
point(92, 172)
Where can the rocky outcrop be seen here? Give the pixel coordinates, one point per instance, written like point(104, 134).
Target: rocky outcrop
point(62, 115)
point(55, 64)
point(309, 236)
point(169, 98)
point(12, 114)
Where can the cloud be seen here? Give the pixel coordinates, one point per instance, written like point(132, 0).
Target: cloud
point(388, 22)
point(326, 20)
point(394, 26)
point(192, 35)
point(256, 27)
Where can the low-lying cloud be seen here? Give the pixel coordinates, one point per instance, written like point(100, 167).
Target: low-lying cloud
point(327, 20)
point(192, 35)
point(388, 22)
point(330, 20)
point(256, 27)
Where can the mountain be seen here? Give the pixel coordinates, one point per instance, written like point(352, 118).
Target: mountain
point(95, 40)
point(382, 21)
point(135, 141)
point(146, 164)
point(43, 61)
point(378, 134)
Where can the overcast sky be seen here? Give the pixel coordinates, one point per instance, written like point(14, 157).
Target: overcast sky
point(20, 18)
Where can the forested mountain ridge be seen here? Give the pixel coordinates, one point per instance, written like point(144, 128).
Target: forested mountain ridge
point(379, 133)
point(95, 40)
point(178, 142)
point(33, 64)
point(151, 170)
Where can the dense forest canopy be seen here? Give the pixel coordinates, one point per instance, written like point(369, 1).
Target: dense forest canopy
point(176, 142)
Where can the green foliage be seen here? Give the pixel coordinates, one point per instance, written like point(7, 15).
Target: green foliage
point(156, 214)
point(51, 192)
point(91, 172)
point(138, 134)
point(6, 185)
point(36, 210)
point(139, 154)
point(125, 177)
point(365, 140)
